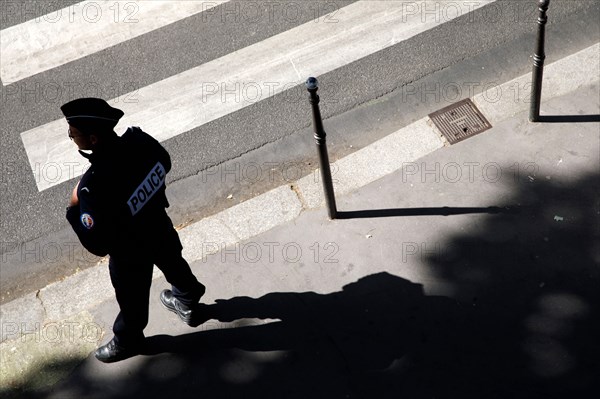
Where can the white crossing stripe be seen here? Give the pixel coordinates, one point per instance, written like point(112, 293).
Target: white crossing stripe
point(82, 29)
point(200, 95)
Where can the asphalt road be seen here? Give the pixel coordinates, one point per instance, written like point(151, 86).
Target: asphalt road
point(276, 129)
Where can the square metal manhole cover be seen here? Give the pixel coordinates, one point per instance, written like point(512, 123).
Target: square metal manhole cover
point(460, 121)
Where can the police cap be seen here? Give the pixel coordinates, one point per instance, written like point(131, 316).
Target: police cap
point(91, 115)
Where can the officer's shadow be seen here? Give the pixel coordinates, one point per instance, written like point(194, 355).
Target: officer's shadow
point(377, 325)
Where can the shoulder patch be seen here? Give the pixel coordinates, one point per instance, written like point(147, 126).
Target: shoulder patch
point(87, 221)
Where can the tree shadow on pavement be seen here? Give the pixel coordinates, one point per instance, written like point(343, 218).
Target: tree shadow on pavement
point(524, 323)
point(321, 346)
point(534, 279)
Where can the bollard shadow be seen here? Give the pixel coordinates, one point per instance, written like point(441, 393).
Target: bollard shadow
point(439, 211)
point(569, 118)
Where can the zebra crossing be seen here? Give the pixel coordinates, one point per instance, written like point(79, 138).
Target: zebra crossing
point(189, 99)
point(82, 29)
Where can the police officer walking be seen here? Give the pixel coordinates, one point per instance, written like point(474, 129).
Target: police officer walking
point(118, 209)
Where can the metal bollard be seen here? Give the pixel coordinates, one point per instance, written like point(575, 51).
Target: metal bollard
point(320, 138)
point(538, 62)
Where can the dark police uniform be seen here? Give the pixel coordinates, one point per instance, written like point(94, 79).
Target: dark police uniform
point(121, 212)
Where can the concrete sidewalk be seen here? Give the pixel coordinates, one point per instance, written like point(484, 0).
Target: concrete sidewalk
point(454, 271)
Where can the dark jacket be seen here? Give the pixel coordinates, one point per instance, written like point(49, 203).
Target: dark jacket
point(121, 196)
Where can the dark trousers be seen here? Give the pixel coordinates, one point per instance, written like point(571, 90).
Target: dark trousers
point(131, 276)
